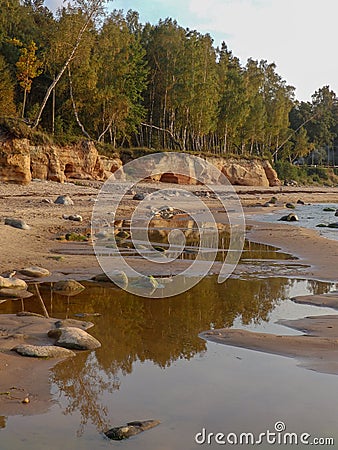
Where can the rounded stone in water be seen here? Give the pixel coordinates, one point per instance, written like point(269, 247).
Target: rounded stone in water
point(68, 287)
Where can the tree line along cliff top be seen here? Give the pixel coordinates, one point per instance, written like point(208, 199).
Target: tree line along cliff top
point(93, 72)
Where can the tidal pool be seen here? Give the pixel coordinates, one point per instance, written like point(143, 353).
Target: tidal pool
point(153, 365)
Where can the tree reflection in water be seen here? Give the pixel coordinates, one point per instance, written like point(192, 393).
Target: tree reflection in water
point(82, 382)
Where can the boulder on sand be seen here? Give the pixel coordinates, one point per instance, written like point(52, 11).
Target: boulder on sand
point(64, 200)
point(43, 351)
point(17, 223)
point(74, 338)
point(35, 272)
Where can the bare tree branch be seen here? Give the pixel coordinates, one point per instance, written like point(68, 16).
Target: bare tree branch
point(74, 105)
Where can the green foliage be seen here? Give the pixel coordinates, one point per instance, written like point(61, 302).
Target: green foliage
point(164, 87)
point(286, 170)
point(41, 138)
point(15, 128)
point(305, 174)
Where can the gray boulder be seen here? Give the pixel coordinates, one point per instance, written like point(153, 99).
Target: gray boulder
point(42, 351)
point(64, 200)
point(290, 218)
point(17, 223)
point(35, 272)
point(73, 323)
point(139, 196)
point(74, 338)
point(74, 218)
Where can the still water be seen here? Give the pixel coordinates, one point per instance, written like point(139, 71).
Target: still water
point(310, 216)
point(153, 365)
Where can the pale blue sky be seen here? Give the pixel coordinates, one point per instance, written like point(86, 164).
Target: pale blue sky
point(298, 35)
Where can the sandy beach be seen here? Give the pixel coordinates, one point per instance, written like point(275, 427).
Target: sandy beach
point(39, 246)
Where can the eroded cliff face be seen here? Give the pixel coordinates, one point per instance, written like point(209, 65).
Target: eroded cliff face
point(15, 161)
point(20, 162)
point(242, 172)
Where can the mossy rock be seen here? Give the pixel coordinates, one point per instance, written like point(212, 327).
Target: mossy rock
point(123, 234)
point(76, 237)
point(68, 287)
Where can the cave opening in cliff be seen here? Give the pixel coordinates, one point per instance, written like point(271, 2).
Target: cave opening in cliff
point(69, 170)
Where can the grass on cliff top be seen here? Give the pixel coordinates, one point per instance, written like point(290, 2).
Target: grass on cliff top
point(18, 129)
point(128, 154)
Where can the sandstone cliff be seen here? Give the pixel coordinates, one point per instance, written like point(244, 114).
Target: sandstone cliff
point(15, 161)
point(20, 162)
point(243, 172)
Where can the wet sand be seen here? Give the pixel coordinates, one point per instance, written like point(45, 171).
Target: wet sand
point(25, 377)
point(316, 349)
point(38, 246)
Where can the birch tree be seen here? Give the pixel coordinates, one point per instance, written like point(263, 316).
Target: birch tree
point(92, 10)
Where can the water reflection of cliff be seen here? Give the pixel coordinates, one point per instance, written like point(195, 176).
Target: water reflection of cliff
point(133, 329)
point(159, 236)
